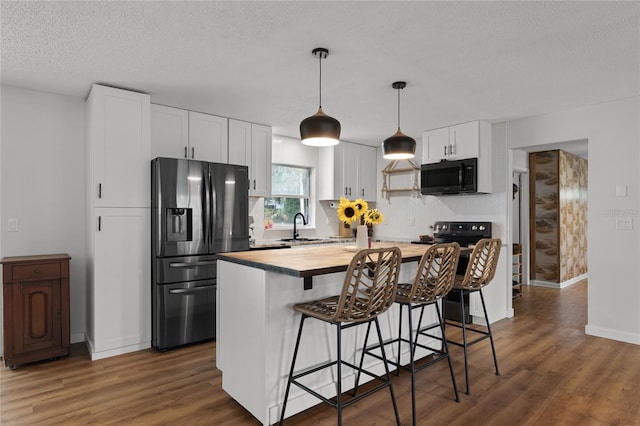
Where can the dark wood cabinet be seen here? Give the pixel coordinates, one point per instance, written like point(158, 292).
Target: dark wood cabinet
point(35, 308)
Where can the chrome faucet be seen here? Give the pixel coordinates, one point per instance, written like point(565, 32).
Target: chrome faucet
point(295, 229)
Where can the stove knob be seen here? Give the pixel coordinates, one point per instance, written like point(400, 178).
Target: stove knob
point(482, 228)
point(474, 228)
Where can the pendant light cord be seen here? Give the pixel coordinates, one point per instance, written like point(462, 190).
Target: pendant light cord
point(320, 88)
point(398, 108)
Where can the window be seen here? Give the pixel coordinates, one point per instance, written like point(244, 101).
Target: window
point(290, 195)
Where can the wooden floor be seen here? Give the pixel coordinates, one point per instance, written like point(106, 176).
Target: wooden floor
point(551, 374)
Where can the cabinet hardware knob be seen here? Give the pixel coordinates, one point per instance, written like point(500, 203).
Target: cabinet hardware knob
point(99, 190)
point(193, 152)
point(185, 152)
point(99, 223)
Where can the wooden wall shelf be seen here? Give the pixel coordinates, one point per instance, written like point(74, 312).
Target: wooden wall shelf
point(393, 169)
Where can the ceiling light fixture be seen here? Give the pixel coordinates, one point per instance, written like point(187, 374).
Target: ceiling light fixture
point(399, 146)
point(320, 129)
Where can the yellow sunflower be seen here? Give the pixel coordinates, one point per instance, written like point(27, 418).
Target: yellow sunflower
point(348, 211)
point(373, 217)
point(361, 205)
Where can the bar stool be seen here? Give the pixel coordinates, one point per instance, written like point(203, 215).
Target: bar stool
point(480, 271)
point(434, 279)
point(368, 290)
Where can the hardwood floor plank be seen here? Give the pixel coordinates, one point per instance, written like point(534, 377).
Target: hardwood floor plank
point(551, 373)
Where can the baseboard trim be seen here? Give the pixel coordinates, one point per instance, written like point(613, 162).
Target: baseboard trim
point(563, 284)
point(608, 333)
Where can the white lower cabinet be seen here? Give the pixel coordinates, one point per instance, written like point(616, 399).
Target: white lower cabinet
point(119, 282)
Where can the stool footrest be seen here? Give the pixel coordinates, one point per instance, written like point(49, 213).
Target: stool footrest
point(354, 399)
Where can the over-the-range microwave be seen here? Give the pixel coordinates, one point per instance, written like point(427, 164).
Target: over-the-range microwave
point(449, 177)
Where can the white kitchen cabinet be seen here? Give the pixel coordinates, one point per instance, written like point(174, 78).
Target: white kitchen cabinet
point(347, 170)
point(169, 132)
point(208, 138)
point(250, 145)
point(457, 142)
point(119, 280)
point(119, 149)
point(118, 221)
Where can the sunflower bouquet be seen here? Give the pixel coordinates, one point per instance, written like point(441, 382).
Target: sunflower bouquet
point(351, 211)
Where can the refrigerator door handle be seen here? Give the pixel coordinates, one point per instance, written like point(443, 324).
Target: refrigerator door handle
point(191, 264)
point(191, 290)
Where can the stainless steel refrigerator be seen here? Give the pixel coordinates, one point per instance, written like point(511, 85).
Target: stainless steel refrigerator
point(198, 209)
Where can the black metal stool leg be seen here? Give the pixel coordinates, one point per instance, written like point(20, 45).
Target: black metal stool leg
point(412, 368)
point(493, 349)
point(464, 341)
point(293, 363)
point(366, 339)
point(445, 349)
point(386, 369)
point(339, 374)
point(400, 340)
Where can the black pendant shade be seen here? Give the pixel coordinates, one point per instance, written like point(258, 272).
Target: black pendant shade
point(399, 146)
point(320, 129)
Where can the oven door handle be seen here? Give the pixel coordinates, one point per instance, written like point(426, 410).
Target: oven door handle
point(191, 264)
point(191, 290)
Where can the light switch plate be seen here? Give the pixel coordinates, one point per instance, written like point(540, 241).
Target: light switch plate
point(621, 190)
point(13, 224)
point(625, 223)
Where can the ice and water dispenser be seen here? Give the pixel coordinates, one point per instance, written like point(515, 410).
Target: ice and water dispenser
point(179, 224)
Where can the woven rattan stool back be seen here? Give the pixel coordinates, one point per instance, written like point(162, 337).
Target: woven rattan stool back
point(369, 285)
point(436, 273)
point(482, 264)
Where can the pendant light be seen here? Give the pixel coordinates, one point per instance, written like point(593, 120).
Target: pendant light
point(320, 129)
point(399, 146)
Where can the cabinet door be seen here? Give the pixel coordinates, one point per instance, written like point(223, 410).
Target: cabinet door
point(464, 139)
point(367, 168)
point(240, 143)
point(260, 168)
point(119, 127)
point(208, 137)
point(349, 163)
point(39, 317)
point(169, 132)
point(121, 288)
point(435, 145)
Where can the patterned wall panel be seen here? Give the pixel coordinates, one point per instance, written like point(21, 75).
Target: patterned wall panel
point(558, 214)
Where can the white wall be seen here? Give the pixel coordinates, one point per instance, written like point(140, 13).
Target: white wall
point(42, 184)
point(613, 132)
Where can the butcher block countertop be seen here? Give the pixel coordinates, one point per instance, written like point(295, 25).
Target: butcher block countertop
point(317, 260)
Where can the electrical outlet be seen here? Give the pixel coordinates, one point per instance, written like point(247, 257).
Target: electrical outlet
point(412, 221)
point(13, 224)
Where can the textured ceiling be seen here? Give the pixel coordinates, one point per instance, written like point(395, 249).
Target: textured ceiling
point(252, 60)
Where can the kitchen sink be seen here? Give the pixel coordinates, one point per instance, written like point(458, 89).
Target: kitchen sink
point(299, 239)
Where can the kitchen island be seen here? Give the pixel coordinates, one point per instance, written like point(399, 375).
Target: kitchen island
point(256, 327)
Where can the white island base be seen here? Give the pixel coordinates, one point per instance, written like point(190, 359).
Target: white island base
point(256, 332)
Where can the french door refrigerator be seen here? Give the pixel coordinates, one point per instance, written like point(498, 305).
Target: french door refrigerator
point(198, 209)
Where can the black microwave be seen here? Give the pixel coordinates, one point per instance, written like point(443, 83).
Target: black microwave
point(449, 177)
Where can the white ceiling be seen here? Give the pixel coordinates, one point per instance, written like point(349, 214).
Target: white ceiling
point(462, 61)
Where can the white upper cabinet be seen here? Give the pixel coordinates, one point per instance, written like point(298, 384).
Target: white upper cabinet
point(347, 170)
point(119, 148)
point(368, 171)
point(169, 132)
point(207, 138)
point(260, 169)
point(250, 145)
point(455, 142)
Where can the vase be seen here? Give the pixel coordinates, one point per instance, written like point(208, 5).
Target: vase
point(362, 237)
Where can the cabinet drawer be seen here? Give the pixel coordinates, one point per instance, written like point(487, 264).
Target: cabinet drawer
point(36, 271)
